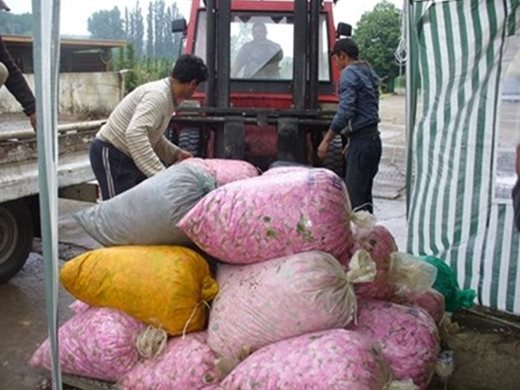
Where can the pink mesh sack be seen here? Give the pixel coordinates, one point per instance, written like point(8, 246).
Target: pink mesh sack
point(186, 363)
point(96, 343)
point(289, 169)
point(408, 337)
point(262, 303)
point(224, 171)
point(334, 360)
point(270, 216)
point(380, 243)
point(431, 301)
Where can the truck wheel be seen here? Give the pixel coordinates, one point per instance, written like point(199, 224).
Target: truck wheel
point(16, 236)
point(335, 160)
point(189, 139)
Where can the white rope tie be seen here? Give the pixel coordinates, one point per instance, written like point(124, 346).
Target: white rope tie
point(193, 315)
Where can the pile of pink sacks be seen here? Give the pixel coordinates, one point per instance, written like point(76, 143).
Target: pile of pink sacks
point(311, 296)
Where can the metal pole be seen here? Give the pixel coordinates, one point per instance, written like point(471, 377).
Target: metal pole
point(211, 51)
point(314, 39)
point(300, 54)
point(46, 58)
point(411, 96)
point(223, 65)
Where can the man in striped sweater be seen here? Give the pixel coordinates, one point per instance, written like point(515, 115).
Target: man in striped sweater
point(131, 146)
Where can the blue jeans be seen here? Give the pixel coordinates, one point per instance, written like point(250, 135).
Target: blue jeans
point(362, 163)
point(114, 170)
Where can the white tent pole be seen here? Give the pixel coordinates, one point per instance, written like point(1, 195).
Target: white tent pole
point(46, 71)
point(411, 94)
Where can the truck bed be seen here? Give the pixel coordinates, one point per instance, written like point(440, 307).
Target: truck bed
point(19, 157)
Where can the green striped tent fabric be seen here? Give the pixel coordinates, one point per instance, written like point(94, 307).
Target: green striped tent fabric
point(459, 47)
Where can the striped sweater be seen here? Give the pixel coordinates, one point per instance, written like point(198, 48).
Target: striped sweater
point(136, 127)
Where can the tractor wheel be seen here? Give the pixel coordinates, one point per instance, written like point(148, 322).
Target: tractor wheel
point(335, 160)
point(16, 236)
point(190, 140)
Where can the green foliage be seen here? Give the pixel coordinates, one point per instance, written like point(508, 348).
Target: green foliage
point(106, 24)
point(377, 35)
point(137, 27)
point(140, 71)
point(16, 24)
point(158, 42)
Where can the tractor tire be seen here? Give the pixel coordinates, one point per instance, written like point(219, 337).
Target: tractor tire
point(190, 140)
point(16, 236)
point(335, 160)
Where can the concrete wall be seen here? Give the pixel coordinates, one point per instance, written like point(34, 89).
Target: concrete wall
point(80, 93)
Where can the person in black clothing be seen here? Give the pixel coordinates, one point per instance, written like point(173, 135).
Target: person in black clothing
point(357, 119)
point(14, 80)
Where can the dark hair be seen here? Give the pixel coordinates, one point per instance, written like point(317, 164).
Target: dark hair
point(189, 67)
point(347, 46)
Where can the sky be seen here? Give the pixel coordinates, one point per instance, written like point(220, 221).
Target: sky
point(74, 13)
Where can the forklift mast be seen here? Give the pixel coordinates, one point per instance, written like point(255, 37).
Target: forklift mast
point(239, 116)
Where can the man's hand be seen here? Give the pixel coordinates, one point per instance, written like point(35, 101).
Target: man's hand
point(323, 149)
point(32, 119)
point(325, 144)
point(183, 155)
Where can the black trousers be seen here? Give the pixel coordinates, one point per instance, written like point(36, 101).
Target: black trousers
point(362, 163)
point(114, 170)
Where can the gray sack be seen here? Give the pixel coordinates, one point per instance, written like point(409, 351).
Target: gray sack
point(148, 213)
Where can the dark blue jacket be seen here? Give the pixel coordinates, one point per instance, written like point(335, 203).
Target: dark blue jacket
point(358, 99)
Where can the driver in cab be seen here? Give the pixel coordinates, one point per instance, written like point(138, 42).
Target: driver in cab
point(258, 58)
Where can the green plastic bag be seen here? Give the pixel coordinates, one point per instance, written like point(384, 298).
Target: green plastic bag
point(446, 283)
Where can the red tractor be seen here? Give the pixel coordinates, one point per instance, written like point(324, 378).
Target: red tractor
point(271, 90)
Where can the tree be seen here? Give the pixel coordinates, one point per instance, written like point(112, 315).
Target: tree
point(149, 31)
point(135, 29)
point(160, 26)
point(173, 45)
point(377, 35)
point(106, 24)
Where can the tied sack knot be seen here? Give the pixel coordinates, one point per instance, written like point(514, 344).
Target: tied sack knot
point(151, 342)
point(209, 288)
point(362, 269)
point(401, 385)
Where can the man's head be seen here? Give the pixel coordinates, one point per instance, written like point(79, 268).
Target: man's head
point(188, 72)
point(259, 31)
point(345, 52)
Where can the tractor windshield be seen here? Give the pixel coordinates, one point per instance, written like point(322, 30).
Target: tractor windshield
point(262, 46)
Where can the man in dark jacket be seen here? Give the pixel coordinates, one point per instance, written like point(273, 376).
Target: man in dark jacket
point(14, 80)
point(357, 118)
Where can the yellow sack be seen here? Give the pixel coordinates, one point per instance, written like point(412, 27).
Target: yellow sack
point(163, 286)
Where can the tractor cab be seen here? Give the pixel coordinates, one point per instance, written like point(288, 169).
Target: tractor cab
point(271, 76)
